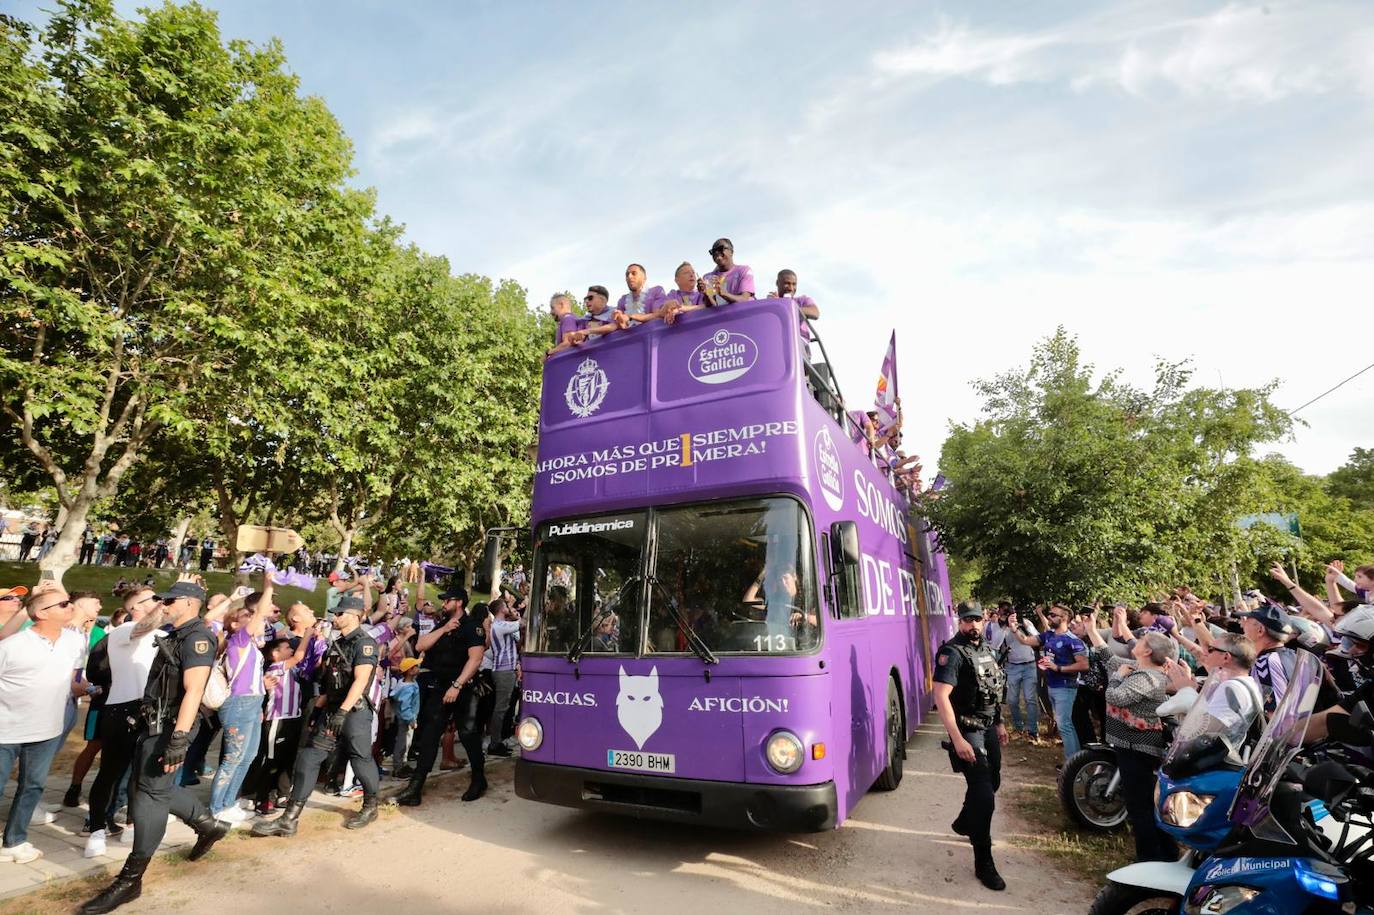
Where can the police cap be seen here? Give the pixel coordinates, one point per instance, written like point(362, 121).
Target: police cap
point(349, 604)
point(970, 610)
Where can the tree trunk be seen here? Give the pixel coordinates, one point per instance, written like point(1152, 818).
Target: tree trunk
point(64, 553)
point(178, 535)
point(345, 545)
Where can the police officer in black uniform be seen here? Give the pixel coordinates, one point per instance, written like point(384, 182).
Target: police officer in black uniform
point(969, 689)
point(170, 712)
point(453, 653)
point(343, 719)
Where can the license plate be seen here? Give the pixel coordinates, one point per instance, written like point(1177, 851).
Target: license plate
point(640, 761)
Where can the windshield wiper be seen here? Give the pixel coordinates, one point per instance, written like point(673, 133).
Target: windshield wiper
point(694, 641)
point(579, 646)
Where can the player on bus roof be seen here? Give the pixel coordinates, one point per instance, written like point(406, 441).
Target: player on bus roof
point(639, 301)
point(729, 282)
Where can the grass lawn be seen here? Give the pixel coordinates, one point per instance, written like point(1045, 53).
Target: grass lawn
point(101, 580)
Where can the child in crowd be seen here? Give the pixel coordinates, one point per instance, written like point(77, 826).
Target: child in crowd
point(405, 701)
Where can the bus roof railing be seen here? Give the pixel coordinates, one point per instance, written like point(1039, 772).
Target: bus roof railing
point(827, 390)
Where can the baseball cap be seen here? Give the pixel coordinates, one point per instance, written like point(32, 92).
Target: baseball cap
point(1271, 616)
point(183, 589)
point(349, 605)
point(453, 592)
point(409, 664)
point(970, 610)
point(16, 591)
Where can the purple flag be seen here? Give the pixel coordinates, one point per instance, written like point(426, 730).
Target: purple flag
point(885, 401)
point(288, 578)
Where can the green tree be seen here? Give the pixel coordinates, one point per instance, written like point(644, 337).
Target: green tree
point(1354, 480)
point(165, 192)
point(1074, 487)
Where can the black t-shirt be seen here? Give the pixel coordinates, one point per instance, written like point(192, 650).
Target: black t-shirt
point(191, 644)
point(448, 656)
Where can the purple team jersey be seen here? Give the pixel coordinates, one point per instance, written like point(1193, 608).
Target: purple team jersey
point(690, 297)
point(802, 301)
point(738, 281)
point(649, 300)
point(241, 654)
point(566, 325)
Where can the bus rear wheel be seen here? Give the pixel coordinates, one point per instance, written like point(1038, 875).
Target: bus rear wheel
point(895, 731)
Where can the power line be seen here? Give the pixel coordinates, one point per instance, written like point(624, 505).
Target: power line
point(1337, 387)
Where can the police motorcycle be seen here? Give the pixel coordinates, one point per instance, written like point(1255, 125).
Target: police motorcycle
point(1198, 779)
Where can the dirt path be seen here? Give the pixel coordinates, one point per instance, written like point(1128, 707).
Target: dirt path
point(508, 856)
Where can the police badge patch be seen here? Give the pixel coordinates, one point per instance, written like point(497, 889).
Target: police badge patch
point(200, 646)
point(367, 651)
point(942, 658)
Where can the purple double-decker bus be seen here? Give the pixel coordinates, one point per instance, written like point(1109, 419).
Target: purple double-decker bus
point(733, 614)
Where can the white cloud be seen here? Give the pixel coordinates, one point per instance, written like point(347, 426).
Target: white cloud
point(1241, 52)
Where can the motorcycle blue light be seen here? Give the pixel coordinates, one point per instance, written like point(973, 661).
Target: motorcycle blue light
point(1322, 885)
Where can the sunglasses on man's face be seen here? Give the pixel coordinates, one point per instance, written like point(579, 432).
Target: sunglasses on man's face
point(57, 606)
point(13, 597)
point(718, 250)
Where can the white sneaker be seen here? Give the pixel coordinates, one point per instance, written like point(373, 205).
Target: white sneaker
point(20, 854)
point(232, 815)
point(95, 844)
point(51, 808)
point(41, 817)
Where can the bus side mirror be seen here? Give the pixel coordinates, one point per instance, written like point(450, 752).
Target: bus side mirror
point(844, 543)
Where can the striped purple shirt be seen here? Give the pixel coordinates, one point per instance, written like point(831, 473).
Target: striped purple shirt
point(285, 700)
point(381, 684)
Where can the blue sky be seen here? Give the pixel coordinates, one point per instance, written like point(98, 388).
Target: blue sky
point(1164, 179)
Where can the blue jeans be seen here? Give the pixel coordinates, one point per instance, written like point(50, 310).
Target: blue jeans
point(241, 719)
point(1061, 697)
point(35, 759)
point(1021, 686)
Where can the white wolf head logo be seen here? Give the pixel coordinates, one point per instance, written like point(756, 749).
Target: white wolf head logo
point(639, 706)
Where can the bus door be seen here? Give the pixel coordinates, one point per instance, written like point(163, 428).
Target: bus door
point(857, 712)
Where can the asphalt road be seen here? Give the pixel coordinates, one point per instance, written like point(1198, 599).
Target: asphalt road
point(506, 855)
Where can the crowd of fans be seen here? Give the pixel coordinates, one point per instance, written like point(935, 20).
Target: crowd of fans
point(55, 655)
point(1115, 674)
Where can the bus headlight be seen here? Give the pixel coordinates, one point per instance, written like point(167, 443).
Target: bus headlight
point(785, 752)
point(529, 734)
point(1184, 808)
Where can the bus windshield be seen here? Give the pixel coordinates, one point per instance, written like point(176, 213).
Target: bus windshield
point(737, 575)
point(591, 581)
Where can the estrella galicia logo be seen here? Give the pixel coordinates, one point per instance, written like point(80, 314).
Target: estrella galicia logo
point(586, 389)
point(829, 470)
point(722, 357)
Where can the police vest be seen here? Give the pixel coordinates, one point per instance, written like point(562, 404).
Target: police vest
point(981, 685)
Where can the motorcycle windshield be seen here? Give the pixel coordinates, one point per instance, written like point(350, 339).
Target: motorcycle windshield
point(1221, 715)
point(1277, 746)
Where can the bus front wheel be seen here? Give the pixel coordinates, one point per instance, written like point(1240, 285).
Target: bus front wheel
point(895, 732)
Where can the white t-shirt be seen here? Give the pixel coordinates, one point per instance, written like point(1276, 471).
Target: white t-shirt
point(130, 661)
point(36, 683)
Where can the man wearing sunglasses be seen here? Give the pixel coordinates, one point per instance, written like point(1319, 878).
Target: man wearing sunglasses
point(729, 282)
point(170, 713)
point(601, 317)
point(35, 686)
